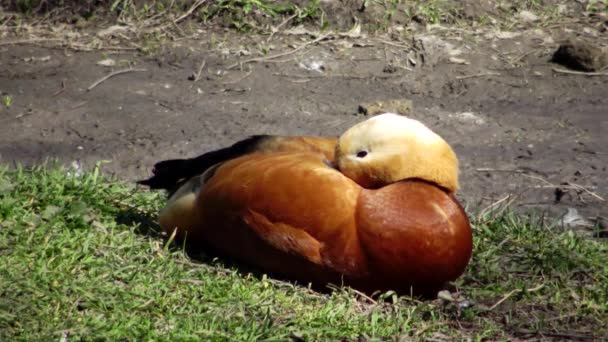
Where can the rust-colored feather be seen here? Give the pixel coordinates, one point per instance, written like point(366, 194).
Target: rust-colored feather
point(322, 145)
point(415, 234)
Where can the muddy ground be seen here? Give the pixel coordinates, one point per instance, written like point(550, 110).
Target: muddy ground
point(520, 128)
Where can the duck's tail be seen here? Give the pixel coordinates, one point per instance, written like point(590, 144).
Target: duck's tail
point(171, 174)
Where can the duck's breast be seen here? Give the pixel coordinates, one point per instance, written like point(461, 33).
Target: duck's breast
point(414, 234)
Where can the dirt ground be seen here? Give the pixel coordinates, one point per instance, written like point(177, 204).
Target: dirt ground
point(520, 128)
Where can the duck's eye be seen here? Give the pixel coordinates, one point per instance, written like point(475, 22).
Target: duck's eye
point(361, 154)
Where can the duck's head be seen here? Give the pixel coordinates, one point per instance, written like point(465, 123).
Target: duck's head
point(389, 147)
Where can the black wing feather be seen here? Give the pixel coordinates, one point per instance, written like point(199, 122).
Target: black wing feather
point(171, 174)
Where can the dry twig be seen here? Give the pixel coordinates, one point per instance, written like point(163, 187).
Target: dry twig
point(566, 186)
point(197, 75)
point(567, 336)
point(393, 44)
point(239, 79)
point(276, 29)
point(500, 170)
point(571, 72)
point(497, 208)
point(305, 78)
point(174, 22)
point(31, 41)
point(508, 295)
point(364, 296)
point(112, 74)
point(493, 205)
point(60, 90)
point(282, 54)
point(428, 327)
point(483, 74)
point(190, 10)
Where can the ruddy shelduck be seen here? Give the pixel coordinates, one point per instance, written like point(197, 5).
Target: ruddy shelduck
point(374, 209)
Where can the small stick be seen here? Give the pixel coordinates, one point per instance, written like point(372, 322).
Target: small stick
point(180, 18)
point(478, 75)
point(520, 58)
point(567, 186)
point(300, 81)
point(83, 47)
point(112, 74)
point(189, 11)
point(499, 170)
point(178, 28)
point(197, 76)
point(563, 71)
point(567, 336)
point(580, 187)
point(508, 295)
point(239, 79)
point(356, 77)
point(60, 90)
point(541, 179)
point(148, 21)
point(426, 328)
point(282, 54)
point(31, 41)
point(559, 318)
point(281, 60)
point(393, 44)
point(363, 295)
point(276, 29)
point(491, 206)
point(495, 206)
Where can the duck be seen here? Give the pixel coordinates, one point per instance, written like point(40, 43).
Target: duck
point(373, 209)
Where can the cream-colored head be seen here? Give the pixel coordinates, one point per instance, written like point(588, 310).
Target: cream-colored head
point(389, 147)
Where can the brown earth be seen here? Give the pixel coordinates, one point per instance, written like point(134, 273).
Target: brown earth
point(520, 127)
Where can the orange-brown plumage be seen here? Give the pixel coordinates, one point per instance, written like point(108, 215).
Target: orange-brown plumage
point(282, 208)
point(325, 146)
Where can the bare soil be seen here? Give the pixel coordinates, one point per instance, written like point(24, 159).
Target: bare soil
point(521, 126)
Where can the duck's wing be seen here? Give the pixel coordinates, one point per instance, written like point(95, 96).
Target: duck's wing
point(265, 207)
point(171, 174)
point(284, 237)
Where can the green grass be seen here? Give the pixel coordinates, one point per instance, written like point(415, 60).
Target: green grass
point(167, 19)
point(80, 257)
point(243, 15)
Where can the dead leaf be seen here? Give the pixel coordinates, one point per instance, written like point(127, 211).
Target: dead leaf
point(37, 59)
point(112, 30)
point(107, 62)
point(457, 60)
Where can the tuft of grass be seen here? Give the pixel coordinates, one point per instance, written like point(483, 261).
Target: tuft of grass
point(262, 16)
point(245, 15)
point(81, 258)
point(432, 11)
point(597, 6)
point(8, 101)
point(242, 15)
